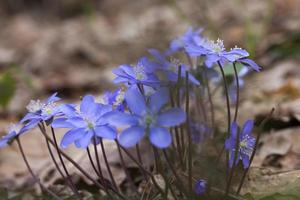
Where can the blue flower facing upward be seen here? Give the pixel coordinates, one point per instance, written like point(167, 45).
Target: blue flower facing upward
point(246, 143)
point(200, 187)
point(142, 73)
point(87, 124)
point(147, 117)
point(14, 130)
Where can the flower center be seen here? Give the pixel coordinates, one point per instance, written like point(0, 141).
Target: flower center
point(217, 46)
point(119, 98)
point(49, 108)
point(148, 120)
point(139, 72)
point(174, 65)
point(246, 147)
point(34, 106)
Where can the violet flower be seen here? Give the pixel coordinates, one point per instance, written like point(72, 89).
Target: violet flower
point(147, 118)
point(246, 143)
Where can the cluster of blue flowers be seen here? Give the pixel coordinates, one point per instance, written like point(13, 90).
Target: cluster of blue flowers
point(142, 106)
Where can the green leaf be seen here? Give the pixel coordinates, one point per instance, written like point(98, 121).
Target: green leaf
point(7, 88)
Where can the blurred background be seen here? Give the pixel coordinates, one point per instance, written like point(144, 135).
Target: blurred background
point(71, 46)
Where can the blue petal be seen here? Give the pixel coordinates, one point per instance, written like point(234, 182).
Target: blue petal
point(88, 105)
point(135, 101)
point(31, 124)
point(234, 130)
point(117, 118)
point(106, 132)
point(247, 128)
point(131, 136)
point(29, 116)
point(159, 99)
point(171, 117)
point(250, 63)
point(61, 123)
point(77, 122)
point(85, 140)
point(3, 143)
point(53, 98)
point(71, 136)
point(160, 137)
point(246, 161)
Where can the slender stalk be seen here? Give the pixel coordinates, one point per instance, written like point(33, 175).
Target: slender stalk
point(262, 124)
point(107, 165)
point(228, 114)
point(77, 166)
point(144, 170)
point(63, 163)
point(190, 159)
point(177, 136)
point(128, 177)
point(237, 146)
point(237, 93)
point(98, 161)
point(178, 182)
point(238, 134)
point(179, 104)
point(138, 153)
point(91, 161)
point(212, 106)
point(67, 181)
point(36, 179)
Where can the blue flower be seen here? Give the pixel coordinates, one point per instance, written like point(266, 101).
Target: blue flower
point(87, 124)
point(246, 143)
point(190, 36)
point(14, 130)
point(215, 52)
point(200, 132)
point(200, 187)
point(170, 69)
point(44, 111)
point(142, 73)
point(116, 99)
point(147, 118)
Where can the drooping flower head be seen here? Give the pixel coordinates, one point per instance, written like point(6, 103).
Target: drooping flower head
point(87, 124)
point(141, 73)
point(200, 187)
point(246, 143)
point(148, 117)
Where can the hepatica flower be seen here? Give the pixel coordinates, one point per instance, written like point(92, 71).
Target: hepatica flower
point(39, 111)
point(190, 36)
point(14, 130)
point(147, 118)
point(200, 187)
point(116, 99)
point(246, 143)
point(214, 51)
point(87, 124)
point(169, 68)
point(138, 74)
